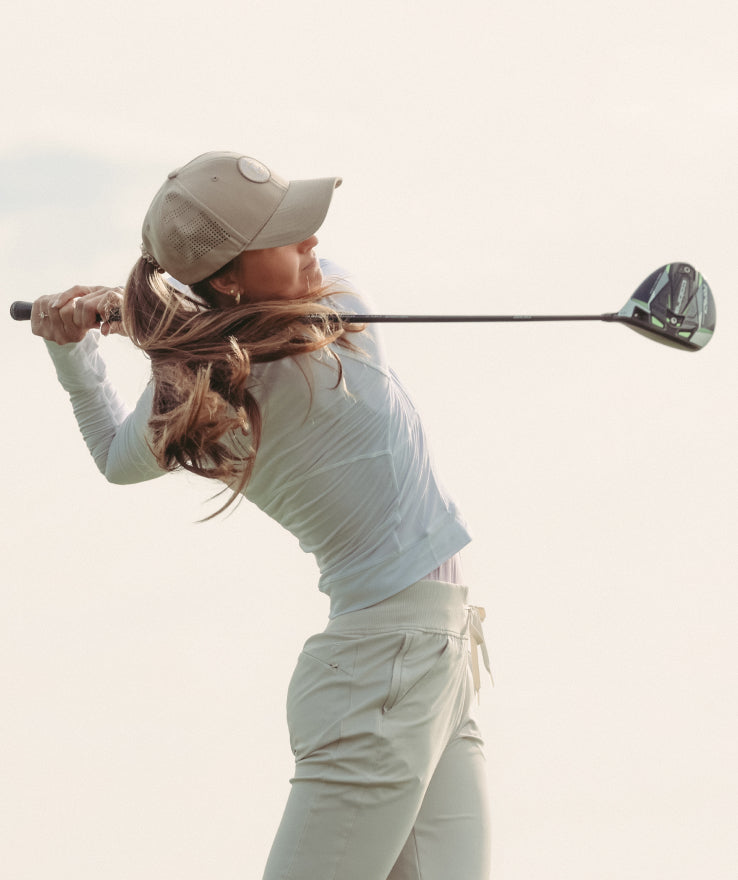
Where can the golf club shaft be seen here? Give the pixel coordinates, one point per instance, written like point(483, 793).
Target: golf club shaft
point(464, 319)
point(21, 311)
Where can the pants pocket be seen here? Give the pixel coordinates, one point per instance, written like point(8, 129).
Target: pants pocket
point(318, 698)
point(418, 660)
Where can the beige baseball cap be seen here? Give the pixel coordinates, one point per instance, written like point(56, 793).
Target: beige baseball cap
point(223, 203)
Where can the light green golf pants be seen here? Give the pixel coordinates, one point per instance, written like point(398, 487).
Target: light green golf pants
point(390, 780)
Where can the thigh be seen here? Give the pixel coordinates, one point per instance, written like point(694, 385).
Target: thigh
point(367, 720)
point(452, 833)
point(331, 831)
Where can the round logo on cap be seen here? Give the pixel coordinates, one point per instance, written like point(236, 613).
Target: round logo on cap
point(253, 170)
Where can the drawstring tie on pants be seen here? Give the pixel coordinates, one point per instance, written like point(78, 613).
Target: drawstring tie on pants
point(476, 641)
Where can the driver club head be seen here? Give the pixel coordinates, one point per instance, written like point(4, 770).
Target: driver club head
point(673, 306)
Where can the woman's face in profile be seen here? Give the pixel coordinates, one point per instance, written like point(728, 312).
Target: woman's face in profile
point(285, 272)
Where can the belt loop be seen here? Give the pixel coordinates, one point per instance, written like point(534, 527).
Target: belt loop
point(476, 615)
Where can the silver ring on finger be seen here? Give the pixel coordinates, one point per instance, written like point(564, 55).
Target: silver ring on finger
point(42, 315)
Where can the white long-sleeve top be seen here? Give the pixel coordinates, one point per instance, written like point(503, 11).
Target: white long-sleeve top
point(343, 465)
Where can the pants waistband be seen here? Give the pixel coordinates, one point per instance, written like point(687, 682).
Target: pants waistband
point(426, 605)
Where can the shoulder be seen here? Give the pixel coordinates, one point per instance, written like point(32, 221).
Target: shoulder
point(344, 289)
point(345, 294)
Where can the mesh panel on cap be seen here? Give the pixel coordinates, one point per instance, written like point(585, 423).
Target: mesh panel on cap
point(190, 232)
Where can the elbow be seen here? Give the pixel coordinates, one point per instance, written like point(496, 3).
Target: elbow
point(127, 472)
point(116, 477)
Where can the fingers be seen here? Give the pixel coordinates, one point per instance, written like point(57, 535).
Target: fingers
point(109, 304)
point(53, 317)
point(81, 311)
point(51, 322)
point(68, 316)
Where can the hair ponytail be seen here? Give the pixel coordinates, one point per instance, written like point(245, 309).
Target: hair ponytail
point(201, 358)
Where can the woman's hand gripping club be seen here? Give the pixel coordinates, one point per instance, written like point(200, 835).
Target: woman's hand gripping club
point(67, 317)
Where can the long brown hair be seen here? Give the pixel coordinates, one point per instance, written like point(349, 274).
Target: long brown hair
point(201, 358)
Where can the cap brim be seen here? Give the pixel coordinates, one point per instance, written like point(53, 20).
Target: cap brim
point(299, 215)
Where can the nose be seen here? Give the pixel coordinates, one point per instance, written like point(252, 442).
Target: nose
point(308, 244)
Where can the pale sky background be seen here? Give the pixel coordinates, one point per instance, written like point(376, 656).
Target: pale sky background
point(510, 157)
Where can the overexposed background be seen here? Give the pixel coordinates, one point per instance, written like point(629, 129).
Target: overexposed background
point(510, 157)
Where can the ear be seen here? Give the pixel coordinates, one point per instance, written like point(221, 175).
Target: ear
point(227, 282)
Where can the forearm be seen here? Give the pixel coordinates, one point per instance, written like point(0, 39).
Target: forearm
point(115, 436)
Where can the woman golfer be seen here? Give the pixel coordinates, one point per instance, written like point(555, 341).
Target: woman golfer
point(306, 419)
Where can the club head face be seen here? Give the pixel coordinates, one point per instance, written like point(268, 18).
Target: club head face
point(673, 306)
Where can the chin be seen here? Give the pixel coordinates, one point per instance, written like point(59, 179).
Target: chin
point(314, 278)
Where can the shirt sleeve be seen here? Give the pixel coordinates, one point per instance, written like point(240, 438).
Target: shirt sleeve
point(116, 437)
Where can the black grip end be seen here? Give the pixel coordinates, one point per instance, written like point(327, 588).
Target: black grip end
point(20, 311)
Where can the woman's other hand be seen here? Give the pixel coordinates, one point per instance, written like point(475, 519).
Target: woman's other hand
point(66, 317)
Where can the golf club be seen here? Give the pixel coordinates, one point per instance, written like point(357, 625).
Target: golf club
point(673, 306)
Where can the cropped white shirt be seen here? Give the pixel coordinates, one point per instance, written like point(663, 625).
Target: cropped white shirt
point(343, 464)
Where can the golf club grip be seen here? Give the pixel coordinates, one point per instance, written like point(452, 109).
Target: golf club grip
point(21, 311)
